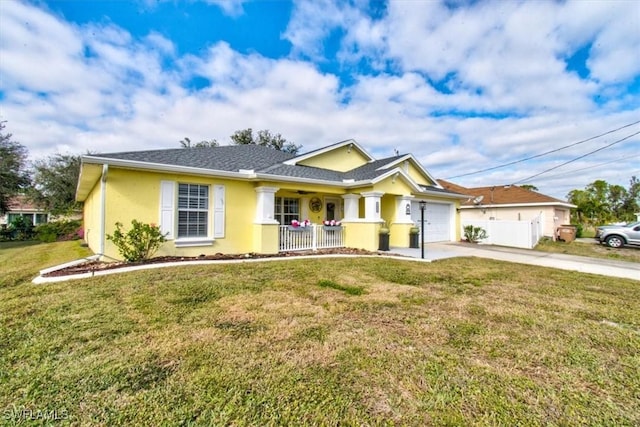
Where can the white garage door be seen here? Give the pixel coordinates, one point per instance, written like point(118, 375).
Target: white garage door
point(437, 221)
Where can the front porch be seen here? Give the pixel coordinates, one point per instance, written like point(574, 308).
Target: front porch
point(311, 237)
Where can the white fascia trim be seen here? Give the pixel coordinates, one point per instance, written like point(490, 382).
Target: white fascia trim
point(416, 164)
point(400, 173)
point(445, 195)
point(521, 205)
point(281, 178)
point(328, 148)
point(134, 164)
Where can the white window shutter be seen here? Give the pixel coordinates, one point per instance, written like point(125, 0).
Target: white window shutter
point(218, 211)
point(167, 208)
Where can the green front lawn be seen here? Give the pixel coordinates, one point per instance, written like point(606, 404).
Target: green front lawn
point(318, 342)
point(593, 250)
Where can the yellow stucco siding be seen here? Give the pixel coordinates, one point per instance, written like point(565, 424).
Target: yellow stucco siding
point(136, 195)
point(388, 208)
point(340, 159)
point(91, 218)
point(417, 175)
point(397, 186)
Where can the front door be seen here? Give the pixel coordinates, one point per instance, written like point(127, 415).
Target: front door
point(333, 208)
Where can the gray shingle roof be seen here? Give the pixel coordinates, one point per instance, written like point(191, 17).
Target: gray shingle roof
point(225, 158)
point(263, 160)
point(369, 171)
point(299, 171)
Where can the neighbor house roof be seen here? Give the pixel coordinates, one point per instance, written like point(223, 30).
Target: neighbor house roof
point(22, 203)
point(497, 195)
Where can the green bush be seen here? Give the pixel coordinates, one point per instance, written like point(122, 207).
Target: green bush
point(21, 228)
point(59, 230)
point(579, 230)
point(139, 243)
point(474, 234)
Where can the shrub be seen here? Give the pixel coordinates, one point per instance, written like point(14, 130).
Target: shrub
point(474, 234)
point(139, 243)
point(579, 230)
point(22, 228)
point(59, 230)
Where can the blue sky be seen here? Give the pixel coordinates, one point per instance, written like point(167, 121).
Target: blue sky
point(463, 85)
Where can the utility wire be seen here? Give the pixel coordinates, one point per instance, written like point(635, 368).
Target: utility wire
point(578, 158)
point(591, 167)
point(545, 153)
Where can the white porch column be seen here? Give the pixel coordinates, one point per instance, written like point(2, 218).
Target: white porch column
point(403, 210)
point(372, 205)
point(304, 209)
point(351, 206)
point(265, 205)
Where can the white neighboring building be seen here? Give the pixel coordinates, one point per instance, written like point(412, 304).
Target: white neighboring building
point(512, 203)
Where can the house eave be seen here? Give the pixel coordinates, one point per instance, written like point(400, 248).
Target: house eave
point(160, 167)
point(447, 195)
point(416, 163)
point(520, 205)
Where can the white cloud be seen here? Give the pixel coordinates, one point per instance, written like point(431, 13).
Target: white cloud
point(96, 87)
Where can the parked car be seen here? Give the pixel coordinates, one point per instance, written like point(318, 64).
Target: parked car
point(617, 236)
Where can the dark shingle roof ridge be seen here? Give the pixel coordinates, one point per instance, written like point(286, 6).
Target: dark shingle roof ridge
point(302, 171)
point(226, 157)
point(370, 169)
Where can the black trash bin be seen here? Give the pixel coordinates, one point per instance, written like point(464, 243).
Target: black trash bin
point(383, 244)
point(414, 240)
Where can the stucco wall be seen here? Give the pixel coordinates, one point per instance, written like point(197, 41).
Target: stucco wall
point(91, 218)
point(136, 195)
point(341, 159)
point(549, 215)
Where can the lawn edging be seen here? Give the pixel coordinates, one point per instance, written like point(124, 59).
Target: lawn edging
point(39, 280)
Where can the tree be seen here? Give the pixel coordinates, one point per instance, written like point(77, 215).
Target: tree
point(14, 177)
point(631, 204)
point(266, 139)
point(601, 202)
point(54, 183)
point(529, 187)
point(186, 143)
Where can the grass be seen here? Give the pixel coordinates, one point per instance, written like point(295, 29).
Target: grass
point(310, 342)
point(592, 250)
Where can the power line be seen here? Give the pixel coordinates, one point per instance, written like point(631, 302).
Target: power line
point(591, 167)
point(577, 158)
point(545, 153)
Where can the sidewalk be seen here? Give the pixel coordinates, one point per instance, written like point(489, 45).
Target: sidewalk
point(435, 251)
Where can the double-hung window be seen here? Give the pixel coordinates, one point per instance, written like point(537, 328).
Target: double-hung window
point(193, 210)
point(286, 210)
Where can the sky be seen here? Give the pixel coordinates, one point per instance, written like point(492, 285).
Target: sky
point(463, 85)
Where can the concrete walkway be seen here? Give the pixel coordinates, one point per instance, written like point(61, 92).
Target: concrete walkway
point(604, 267)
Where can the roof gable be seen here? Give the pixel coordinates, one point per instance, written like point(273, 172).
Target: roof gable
point(410, 165)
point(341, 157)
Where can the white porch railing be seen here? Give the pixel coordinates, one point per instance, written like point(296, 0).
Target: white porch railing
point(312, 237)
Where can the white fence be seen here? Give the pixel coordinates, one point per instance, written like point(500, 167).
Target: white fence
point(517, 234)
point(312, 237)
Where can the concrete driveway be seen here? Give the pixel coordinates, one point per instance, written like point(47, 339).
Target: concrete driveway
point(604, 267)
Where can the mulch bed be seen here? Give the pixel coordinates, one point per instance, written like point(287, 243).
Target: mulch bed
point(93, 266)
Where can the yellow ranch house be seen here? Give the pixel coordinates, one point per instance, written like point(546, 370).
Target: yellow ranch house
point(241, 199)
